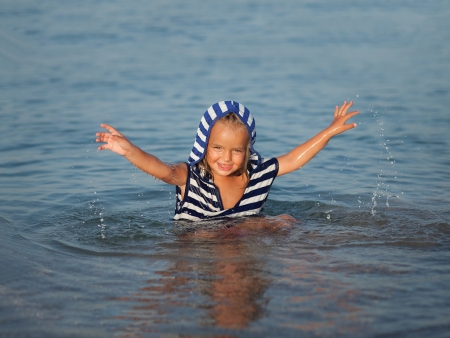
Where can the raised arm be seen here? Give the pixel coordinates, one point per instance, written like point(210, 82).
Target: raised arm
point(175, 174)
point(302, 154)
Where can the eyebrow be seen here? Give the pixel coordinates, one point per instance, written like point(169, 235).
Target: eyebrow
point(220, 145)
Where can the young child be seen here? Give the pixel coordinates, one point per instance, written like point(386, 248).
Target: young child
point(224, 175)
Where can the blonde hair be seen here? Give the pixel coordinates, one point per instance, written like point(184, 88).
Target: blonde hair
point(230, 120)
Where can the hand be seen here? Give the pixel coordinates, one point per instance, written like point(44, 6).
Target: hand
point(340, 117)
point(115, 141)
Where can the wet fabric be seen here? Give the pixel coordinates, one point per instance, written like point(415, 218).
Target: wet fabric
point(202, 198)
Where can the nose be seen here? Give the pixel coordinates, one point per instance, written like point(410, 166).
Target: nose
point(227, 155)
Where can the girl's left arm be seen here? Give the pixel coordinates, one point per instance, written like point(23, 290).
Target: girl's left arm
point(302, 154)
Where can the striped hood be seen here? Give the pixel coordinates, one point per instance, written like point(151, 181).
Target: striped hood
point(214, 113)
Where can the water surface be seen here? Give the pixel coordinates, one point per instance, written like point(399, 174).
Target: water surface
point(88, 247)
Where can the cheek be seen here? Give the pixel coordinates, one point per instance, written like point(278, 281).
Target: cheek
point(211, 156)
point(238, 159)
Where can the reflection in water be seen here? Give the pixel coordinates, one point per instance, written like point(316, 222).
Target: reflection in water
point(218, 280)
point(238, 289)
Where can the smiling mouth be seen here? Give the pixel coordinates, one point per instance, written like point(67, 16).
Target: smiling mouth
point(225, 167)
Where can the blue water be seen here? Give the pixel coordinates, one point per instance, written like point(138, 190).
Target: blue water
point(87, 244)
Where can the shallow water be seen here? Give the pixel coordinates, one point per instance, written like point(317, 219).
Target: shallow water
point(88, 247)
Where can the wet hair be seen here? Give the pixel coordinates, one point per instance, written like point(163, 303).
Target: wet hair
point(230, 120)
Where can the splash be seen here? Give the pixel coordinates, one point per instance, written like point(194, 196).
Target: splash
point(388, 173)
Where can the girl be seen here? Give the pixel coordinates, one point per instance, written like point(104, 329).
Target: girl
point(224, 176)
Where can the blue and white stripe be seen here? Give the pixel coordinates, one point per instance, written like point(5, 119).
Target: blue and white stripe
point(202, 198)
point(211, 116)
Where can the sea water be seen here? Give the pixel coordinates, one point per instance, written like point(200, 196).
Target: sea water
point(88, 246)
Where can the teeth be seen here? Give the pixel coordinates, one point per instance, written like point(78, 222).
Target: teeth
point(225, 167)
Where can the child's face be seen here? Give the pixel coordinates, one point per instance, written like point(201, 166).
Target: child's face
point(226, 148)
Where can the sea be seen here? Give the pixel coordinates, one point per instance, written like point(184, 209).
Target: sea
point(88, 247)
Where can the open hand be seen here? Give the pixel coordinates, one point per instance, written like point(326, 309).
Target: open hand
point(340, 117)
point(115, 141)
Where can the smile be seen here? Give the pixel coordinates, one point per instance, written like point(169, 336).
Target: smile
point(225, 167)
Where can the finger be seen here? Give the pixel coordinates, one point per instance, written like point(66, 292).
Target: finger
point(342, 108)
point(102, 147)
point(101, 134)
point(336, 111)
point(351, 114)
point(103, 137)
point(111, 129)
point(345, 106)
point(350, 126)
point(348, 106)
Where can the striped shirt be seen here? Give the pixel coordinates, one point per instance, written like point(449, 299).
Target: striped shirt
point(202, 198)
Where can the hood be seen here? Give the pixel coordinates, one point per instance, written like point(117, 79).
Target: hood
point(211, 116)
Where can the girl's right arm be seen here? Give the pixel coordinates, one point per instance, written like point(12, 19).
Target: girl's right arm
point(175, 174)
